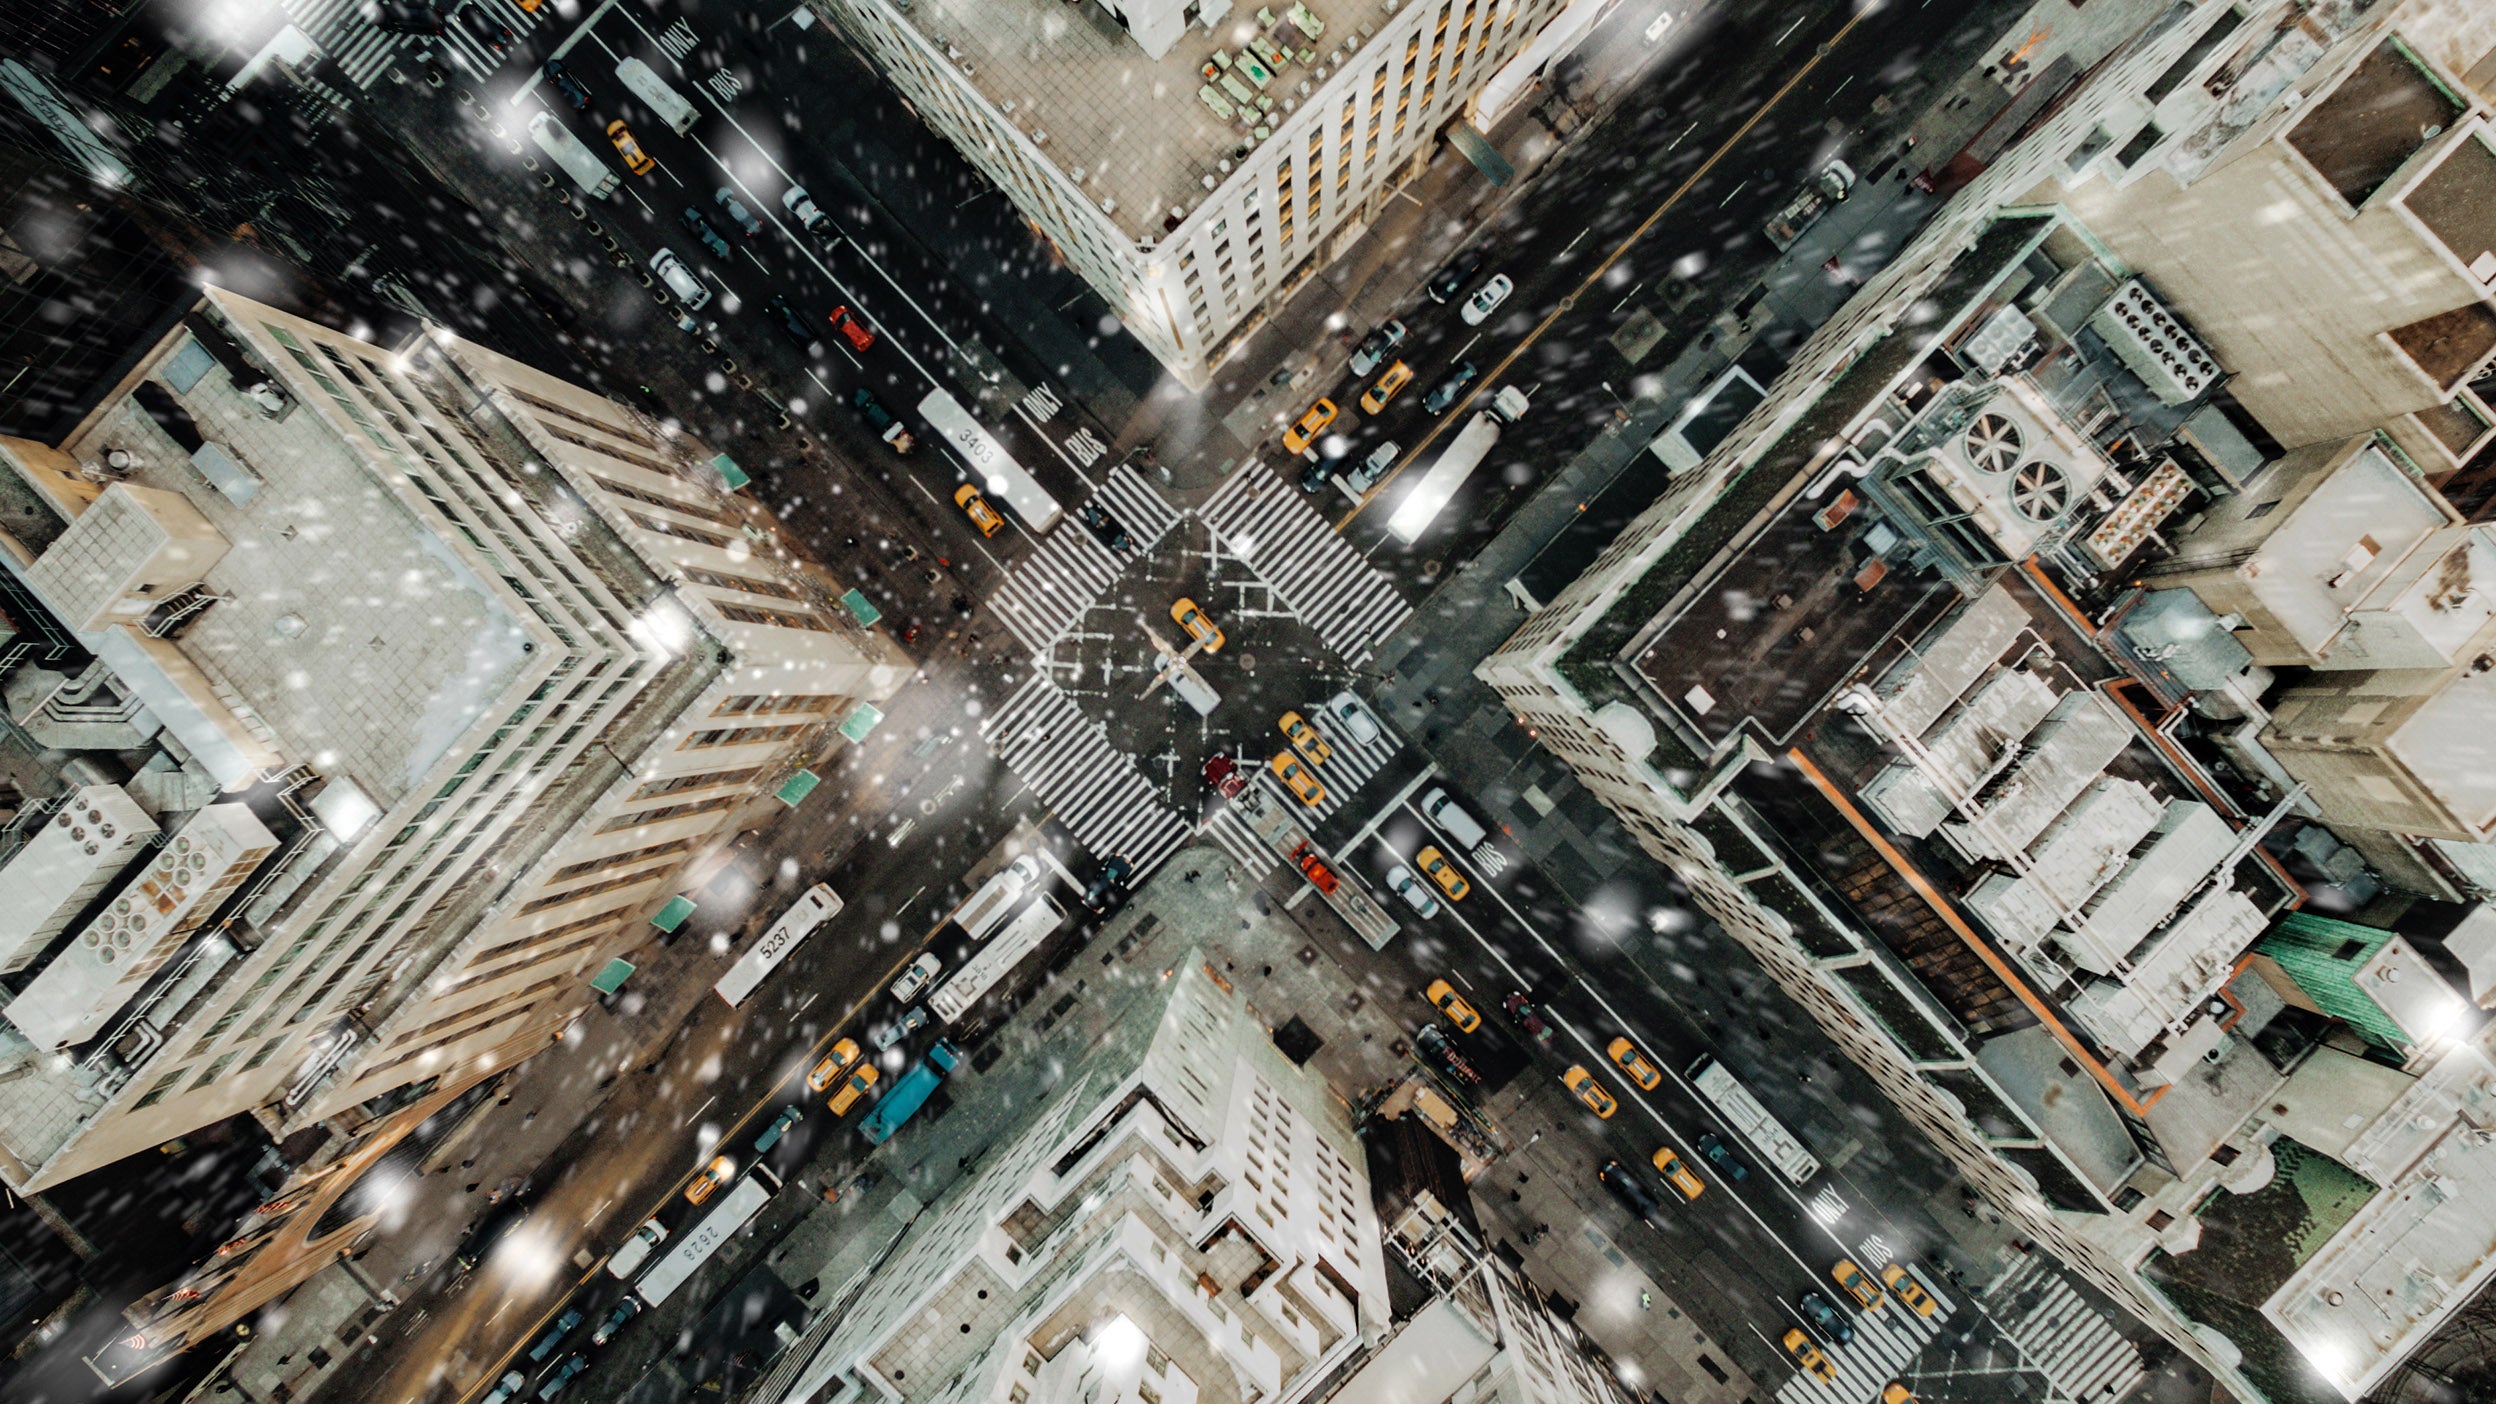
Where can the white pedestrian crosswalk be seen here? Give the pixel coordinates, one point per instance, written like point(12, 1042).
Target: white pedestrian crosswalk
point(363, 51)
point(1091, 786)
point(1046, 593)
point(2061, 1336)
point(1348, 766)
point(1230, 828)
point(1268, 524)
point(1127, 497)
point(341, 30)
point(1886, 1339)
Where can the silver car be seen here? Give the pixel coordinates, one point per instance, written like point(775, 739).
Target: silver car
point(1346, 710)
point(1401, 881)
point(1372, 468)
point(1483, 303)
point(915, 980)
point(1372, 352)
point(803, 209)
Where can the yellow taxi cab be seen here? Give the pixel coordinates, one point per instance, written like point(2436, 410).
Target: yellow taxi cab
point(1858, 1284)
point(1452, 1004)
point(719, 1172)
point(1297, 776)
point(1300, 435)
point(1807, 1354)
point(1625, 1056)
point(1677, 1173)
point(1908, 1290)
point(1397, 377)
point(1442, 872)
point(834, 1063)
point(982, 515)
point(1590, 1092)
point(1193, 620)
point(1306, 738)
point(636, 160)
point(852, 1088)
point(1896, 1393)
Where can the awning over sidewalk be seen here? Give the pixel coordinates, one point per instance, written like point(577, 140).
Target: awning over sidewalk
point(861, 608)
point(617, 972)
point(733, 475)
point(862, 721)
point(673, 914)
point(799, 787)
point(1477, 148)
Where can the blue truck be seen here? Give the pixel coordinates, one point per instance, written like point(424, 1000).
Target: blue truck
point(911, 1092)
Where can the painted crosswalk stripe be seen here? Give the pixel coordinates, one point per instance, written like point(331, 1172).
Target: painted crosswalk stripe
point(1347, 768)
point(1046, 593)
point(1886, 1339)
point(1349, 604)
point(362, 51)
point(1091, 786)
point(1229, 828)
point(1142, 511)
point(2072, 1343)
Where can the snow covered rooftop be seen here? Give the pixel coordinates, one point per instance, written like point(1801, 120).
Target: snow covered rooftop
point(345, 630)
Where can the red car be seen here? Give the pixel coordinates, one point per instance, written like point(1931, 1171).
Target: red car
point(1225, 776)
point(1319, 875)
point(1526, 1017)
point(855, 332)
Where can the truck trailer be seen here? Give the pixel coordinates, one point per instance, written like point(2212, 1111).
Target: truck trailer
point(911, 1092)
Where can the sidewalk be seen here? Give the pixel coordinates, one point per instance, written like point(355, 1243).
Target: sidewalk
point(1294, 960)
point(568, 1090)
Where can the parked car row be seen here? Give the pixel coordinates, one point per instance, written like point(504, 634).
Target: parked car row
point(1376, 350)
point(1636, 1192)
point(1296, 764)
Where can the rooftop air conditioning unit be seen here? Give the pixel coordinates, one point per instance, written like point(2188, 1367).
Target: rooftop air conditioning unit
point(2010, 472)
point(2154, 345)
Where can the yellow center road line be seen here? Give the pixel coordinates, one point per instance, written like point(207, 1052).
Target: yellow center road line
point(1456, 412)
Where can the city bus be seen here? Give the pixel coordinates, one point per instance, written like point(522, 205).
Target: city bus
point(993, 470)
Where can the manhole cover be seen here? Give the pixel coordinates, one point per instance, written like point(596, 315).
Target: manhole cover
point(1429, 570)
point(1308, 955)
point(1247, 662)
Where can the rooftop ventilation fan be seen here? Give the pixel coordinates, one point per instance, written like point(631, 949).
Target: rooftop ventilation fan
point(2041, 491)
point(1993, 444)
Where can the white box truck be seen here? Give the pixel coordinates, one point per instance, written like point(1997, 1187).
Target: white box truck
point(996, 897)
point(556, 140)
point(1422, 502)
point(667, 104)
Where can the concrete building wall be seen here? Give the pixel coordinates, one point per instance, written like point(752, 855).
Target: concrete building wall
point(1655, 799)
point(1179, 1149)
point(625, 665)
point(2283, 275)
point(1190, 292)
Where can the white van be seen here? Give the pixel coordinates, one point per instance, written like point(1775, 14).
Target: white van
point(667, 104)
point(680, 279)
point(996, 897)
point(636, 1250)
point(1188, 687)
point(1452, 819)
